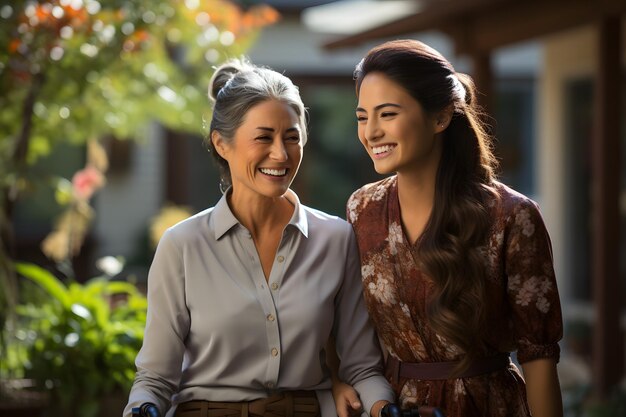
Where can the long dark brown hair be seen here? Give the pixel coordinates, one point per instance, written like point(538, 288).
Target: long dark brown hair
point(449, 248)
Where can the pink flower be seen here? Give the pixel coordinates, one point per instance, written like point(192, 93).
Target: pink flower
point(86, 181)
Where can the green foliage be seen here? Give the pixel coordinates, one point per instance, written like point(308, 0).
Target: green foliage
point(78, 70)
point(107, 67)
point(79, 340)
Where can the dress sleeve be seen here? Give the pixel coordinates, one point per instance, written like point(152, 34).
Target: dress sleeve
point(357, 345)
point(531, 285)
point(159, 361)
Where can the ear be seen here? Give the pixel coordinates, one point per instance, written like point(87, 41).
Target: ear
point(443, 118)
point(219, 144)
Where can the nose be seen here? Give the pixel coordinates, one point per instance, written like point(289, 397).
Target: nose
point(278, 152)
point(372, 130)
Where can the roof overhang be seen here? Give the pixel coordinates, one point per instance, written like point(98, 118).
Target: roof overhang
point(484, 25)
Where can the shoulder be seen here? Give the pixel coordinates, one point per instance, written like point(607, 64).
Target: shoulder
point(518, 213)
point(323, 223)
point(367, 194)
point(374, 190)
point(511, 202)
point(188, 229)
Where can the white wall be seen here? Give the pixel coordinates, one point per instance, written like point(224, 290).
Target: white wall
point(567, 55)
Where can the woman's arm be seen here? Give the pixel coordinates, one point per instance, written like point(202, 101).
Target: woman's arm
point(542, 388)
point(360, 359)
point(535, 306)
point(346, 398)
point(167, 324)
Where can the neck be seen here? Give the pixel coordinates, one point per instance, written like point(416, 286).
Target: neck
point(416, 192)
point(260, 214)
point(416, 185)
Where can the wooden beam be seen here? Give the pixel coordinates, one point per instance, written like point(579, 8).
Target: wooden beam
point(433, 15)
point(521, 21)
point(490, 24)
point(608, 338)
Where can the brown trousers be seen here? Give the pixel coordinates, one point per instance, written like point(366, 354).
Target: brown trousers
point(285, 404)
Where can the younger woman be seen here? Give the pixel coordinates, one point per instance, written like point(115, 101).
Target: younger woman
point(457, 267)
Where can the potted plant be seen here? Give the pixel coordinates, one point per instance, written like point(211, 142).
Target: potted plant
point(79, 341)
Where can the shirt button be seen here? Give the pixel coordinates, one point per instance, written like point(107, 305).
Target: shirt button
point(274, 286)
point(280, 259)
point(270, 317)
point(274, 352)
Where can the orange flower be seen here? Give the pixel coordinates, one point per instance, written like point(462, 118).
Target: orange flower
point(43, 13)
point(76, 17)
point(258, 16)
point(141, 35)
point(15, 43)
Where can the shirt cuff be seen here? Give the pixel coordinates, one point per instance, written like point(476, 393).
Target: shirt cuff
point(372, 389)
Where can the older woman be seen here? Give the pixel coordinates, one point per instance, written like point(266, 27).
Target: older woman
point(244, 296)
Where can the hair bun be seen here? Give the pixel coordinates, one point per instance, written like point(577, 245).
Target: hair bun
point(224, 73)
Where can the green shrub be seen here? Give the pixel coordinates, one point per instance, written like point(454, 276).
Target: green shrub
point(79, 341)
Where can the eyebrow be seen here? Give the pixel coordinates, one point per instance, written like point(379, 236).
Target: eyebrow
point(271, 129)
point(380, 106)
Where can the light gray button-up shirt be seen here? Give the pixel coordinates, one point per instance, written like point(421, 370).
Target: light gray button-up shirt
point(218, 331)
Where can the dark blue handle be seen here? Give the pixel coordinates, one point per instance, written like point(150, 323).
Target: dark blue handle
point(146, 410)
point(393, 410)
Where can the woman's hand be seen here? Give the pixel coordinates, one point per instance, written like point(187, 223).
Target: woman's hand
point(346, 399)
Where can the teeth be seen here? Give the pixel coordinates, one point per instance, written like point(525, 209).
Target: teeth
point(380, 149)
point(274, 172)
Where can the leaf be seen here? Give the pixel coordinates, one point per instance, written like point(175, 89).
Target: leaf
point(91, 296)
point(118, 287)
point(46, 280)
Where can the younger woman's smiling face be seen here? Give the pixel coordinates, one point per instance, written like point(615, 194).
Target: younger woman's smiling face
point(394, 128)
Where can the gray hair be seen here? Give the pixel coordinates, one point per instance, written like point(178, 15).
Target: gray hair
point(237, 86)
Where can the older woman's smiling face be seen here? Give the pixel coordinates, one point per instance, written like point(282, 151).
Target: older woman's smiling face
point(266, 151)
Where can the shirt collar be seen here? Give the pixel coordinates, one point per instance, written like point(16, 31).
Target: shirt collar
point(298, 219)
point(223, 219)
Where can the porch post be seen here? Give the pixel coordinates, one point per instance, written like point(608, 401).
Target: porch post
point(608, 350)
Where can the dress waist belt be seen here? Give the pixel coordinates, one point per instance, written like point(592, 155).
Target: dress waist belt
point(395, 369)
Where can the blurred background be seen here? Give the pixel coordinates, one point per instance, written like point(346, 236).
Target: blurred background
point(103, 110)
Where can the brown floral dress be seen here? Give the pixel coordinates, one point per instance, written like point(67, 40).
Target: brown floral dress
point(523, 308)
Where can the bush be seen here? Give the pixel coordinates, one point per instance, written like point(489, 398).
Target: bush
point(79, 341)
